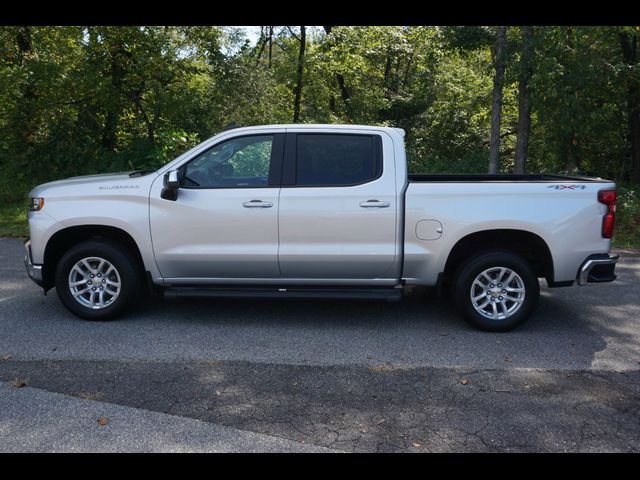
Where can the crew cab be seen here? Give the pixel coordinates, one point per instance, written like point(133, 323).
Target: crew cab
point(326, 211)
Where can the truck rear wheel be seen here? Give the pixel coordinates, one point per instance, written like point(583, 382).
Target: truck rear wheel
point(96, 280)
point(496, 291)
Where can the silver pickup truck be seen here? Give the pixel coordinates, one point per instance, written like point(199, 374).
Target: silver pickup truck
point(326, 211)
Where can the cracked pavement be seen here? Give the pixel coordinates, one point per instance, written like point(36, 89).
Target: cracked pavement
point(349, 376)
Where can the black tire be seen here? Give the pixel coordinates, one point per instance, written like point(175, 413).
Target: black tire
point(473, 267)
point(115, 254)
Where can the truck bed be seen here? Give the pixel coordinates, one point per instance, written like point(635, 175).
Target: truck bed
point(485, 177)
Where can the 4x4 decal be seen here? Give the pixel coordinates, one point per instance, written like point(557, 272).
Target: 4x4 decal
point(570, 187)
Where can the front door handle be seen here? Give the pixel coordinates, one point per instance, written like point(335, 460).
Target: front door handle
point(374, 204)
point(257, 204)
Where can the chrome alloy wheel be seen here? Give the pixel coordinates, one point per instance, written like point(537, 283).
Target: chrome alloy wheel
point(94, 283)
point(497, 293)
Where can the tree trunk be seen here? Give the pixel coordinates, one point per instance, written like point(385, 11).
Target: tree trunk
point(629, 44)
point(23, 39)
point(573, 158)
point(496, 107)
point(387, 69)
point(270, 44)
point(27, 103)
point(298, 90)
point(262, 43)
point(344, 90)
point(524, 106)
point(150, 124)
point(114, 103)
point(395, 80)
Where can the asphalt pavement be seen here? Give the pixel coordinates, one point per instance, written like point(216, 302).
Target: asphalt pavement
point(346, 375)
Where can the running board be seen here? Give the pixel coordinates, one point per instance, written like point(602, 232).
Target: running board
point(390, 294)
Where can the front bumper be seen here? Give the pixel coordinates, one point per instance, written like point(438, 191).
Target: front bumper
point(598, 268)
point(34, 271)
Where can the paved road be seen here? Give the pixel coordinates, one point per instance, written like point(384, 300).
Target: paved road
point(354, 376)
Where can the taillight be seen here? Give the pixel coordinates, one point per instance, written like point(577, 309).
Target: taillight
point(608, 197)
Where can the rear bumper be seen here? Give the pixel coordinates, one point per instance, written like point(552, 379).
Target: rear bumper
point(34, 271)
point(598, 268)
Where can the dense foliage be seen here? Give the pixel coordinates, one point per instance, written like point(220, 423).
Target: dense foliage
point(79, 100)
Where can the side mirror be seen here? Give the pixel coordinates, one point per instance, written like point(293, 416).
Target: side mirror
point(171, 186)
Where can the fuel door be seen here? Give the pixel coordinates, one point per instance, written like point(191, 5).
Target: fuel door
point(428, 229)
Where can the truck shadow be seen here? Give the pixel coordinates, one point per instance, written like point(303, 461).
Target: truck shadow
point(573, 328)
point(570, 328)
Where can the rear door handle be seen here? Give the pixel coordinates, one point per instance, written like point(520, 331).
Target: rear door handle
point(257, 204)
point(374, 204)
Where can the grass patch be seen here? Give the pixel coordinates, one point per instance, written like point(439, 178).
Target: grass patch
point(13, 220)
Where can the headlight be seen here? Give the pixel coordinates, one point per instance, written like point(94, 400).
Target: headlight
point(36, 203)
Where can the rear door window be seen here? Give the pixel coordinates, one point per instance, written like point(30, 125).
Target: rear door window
point(337, 159)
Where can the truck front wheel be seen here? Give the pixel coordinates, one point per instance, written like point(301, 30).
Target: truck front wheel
point(96, 279)
point(496, 291)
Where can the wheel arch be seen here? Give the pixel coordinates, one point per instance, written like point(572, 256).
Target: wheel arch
point(64, 239)
point(530, 246)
